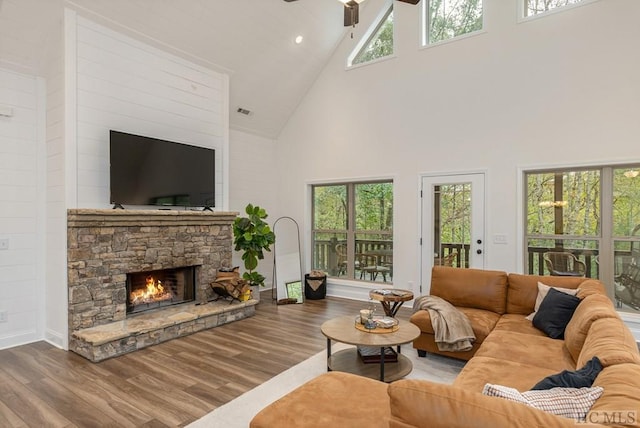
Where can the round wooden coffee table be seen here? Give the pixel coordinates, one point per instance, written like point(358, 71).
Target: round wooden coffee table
point(343, 330)
point(391, 299)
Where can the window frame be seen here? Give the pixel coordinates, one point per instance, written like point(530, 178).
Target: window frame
point(425, 25)
point(373, 29)
point(606, 237)
point(351, 232)
point(522, 9)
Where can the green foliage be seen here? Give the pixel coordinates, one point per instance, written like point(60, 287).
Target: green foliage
point(452, 18)
point(534, 7)
point(252, 235)
point(455, 213)
point(380, 44)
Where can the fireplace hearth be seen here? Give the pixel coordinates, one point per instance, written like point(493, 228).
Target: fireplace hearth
point(155, 289)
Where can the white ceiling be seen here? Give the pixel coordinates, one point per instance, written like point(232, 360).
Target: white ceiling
point(251, 40)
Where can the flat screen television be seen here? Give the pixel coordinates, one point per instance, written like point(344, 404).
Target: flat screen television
point(150, 171)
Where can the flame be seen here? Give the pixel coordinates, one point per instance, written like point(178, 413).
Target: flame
point(153, 292)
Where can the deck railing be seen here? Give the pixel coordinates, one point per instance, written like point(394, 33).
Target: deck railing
point(325, 257)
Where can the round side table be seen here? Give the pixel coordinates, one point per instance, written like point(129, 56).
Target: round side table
point(391, 299)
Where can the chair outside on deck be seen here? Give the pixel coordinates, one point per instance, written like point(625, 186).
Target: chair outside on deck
point(562, 263)
point(448, 260)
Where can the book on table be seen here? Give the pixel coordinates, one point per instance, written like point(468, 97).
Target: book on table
point(371, 354)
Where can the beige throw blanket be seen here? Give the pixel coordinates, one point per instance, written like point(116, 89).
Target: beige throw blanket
point(451, 327)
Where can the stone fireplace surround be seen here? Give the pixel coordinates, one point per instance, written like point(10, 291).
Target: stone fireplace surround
point(104, 245)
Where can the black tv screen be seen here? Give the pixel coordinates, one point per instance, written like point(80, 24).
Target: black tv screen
point(149, 171)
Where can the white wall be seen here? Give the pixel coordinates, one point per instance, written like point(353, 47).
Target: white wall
point(21, 208)
point(559, 90)
point(253, 176)
point(132, 87)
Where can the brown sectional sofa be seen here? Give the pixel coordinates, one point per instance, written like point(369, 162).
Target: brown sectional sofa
point(508, 351)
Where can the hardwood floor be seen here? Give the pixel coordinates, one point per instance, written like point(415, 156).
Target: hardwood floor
point(167, 385)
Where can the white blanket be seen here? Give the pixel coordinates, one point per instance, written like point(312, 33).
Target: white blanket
point(452, 328)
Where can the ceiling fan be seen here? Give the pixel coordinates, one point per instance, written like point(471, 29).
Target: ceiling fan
point(351, 10)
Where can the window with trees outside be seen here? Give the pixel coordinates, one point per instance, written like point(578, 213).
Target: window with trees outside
point(586, 222)
point(352, 230)
point(448, 19)
point(379, 42)
point(536, 7)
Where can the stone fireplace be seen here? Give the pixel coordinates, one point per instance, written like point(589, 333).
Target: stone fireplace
point(111, 254)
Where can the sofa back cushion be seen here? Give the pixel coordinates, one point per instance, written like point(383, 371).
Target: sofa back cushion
point(592, 307)
point(523, 290)
point(618, 405)
point(611, 341)
point(471, 288)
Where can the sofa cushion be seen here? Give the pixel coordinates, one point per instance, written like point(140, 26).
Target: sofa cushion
point(331, 399)
point(480, 370)
point(528, 349)
point(523, 290)
point(482, 321)
point(589, 287)
point(470, 288)
point(581, 378)
point(423, 404)
point(591, 308)
point(555, 312)
point(611, 341)
point(573, 403)
point(517, 323)
point(619, 403)
point(543, 290)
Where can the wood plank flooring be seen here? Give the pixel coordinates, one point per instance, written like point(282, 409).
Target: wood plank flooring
point(167, 385)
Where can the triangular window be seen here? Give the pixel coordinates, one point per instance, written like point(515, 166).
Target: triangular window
point(378, 43)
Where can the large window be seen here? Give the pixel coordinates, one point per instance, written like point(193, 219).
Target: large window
point(378, 42)
point(353, 230)
point(586, 222)
point(447, 19)
point(536, 7)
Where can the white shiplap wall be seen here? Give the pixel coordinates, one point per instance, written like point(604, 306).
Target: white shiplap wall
point(103, 81)
point(129, 86)
point(21, 208)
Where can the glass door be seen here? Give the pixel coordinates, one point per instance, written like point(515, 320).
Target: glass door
point(452, 223)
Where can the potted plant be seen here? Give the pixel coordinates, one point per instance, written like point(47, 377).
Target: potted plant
point(252, 235)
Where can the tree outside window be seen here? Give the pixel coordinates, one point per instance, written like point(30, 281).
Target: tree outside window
point(536, 7)
point(447, 19)
point(353, 230)
point(380, 43)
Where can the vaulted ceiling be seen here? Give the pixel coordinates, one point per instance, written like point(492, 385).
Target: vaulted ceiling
point(251, 40)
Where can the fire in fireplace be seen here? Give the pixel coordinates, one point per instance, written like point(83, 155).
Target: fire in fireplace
point(158, 288)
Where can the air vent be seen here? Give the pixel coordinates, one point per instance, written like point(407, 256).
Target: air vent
point(244, 111)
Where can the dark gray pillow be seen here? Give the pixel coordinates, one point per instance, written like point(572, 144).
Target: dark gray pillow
point(555, 312)
point(582, 378)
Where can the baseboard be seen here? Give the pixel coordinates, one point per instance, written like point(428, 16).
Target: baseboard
point(18, 339)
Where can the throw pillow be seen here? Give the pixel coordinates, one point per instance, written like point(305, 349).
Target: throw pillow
point(555, 312)
point(543, 289)
point(582, 378)
point(572, 403)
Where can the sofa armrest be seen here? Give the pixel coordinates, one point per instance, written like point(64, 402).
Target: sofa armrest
point(419, 403)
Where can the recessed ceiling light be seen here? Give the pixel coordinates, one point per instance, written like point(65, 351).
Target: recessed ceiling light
point(299, 40)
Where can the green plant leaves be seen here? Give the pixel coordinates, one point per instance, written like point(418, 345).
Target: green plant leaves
point(252, 235)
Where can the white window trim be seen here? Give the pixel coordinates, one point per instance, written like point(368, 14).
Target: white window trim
point(632, 320)
point(424, 42)
point(521, 18)
point(377, 22)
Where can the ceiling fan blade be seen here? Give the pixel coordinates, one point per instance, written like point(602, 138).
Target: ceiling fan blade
point(403, 1)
